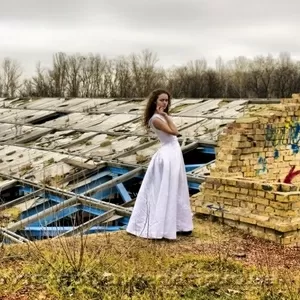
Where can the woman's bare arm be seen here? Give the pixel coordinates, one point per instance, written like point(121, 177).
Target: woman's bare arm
point(168, 127)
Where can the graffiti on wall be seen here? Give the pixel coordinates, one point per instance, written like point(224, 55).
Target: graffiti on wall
point(262, 163)
point(291, 175)
point(286, 135)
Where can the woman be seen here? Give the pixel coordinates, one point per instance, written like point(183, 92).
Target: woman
point(162, 208)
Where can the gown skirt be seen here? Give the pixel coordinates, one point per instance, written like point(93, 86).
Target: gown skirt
point(162, 207)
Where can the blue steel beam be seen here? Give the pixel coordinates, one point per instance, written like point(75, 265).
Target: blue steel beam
point(194, 185)
point(54, 199)
point(37, 208)
point(92, 210)
point(101, 173)
point(207, 150)
point(119, 170)
point(91, 185)
point(191, 167)
point(66, 212)
point(104, 194)
point(123, 192)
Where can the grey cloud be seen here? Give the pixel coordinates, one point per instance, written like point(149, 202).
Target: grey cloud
point(178, 30)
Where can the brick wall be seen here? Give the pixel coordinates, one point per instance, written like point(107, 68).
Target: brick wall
point(254, 156)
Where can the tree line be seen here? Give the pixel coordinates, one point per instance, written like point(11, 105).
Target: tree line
point(136, 75)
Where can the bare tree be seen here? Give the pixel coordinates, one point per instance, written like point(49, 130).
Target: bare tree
point(59, 74)
point(239, 67)
point(261, 76)
point(42, 82)
point(223, 77)
point(72, 76)
point(284, 75)
point(11, 73)
point(27, 88)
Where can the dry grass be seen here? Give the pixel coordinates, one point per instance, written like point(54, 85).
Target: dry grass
point(216, 262)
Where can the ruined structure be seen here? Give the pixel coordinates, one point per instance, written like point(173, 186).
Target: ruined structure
point(254, 184)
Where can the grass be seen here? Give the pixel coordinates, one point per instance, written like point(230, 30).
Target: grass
point(119, 266)
point(105, 143)
point(9, 215)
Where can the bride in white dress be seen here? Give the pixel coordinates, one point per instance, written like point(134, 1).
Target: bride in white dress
point(162, 208)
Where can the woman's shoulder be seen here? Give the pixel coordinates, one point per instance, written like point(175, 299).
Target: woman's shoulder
point(157, 116)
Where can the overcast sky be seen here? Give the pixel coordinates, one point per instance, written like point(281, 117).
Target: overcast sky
point(177, 30)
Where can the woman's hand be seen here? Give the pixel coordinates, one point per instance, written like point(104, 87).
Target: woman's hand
point(160, 110)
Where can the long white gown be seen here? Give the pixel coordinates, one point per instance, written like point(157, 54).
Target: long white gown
point(162, 206)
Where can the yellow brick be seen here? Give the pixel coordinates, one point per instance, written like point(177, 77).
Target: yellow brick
point(280, 213)
point(244, 197)
point(228, 201)
point(269, 209)
point(268, 225)
point(219, 187)
point(261, 194)
point(243, 204)
point(212, 192)
point(247, 150)
point(244, 184)
point(260, 207)
point(208, 185)
point(287, 240)
point(251, 205)
point(294, 197)
point(270, 196)
point(279, 205)
point(295, 205)
point(282, 198)
point(292, 213)
point(231, 216)
point(252, 192)
point(202, 210)
point(228, 195)
point(288, 188)
point(247, 220)
point(286, 227)
point(261, 200)
point(250, 174)
point(236, 203)
point(232, 189)
point(212, 180)
point(210, 198)
point(198, 203)
point(244, 191)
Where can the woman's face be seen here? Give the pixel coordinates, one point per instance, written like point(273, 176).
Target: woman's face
point(162, 101)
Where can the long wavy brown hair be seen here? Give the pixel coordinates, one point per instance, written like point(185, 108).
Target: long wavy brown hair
point(151, 105)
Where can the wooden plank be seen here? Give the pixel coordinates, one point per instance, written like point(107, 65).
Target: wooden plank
point(87, 225)
point(189, 147)
point(122, 211)
point(21, 199)
point(129, 203)
point(11, 237)
point(112, 219)
point(7, 185)
point(78, 164)
point(135, 149)
point(32, 136)
point(90, 179)
point(14, 235)
point(82, 173)
point(78, 141)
